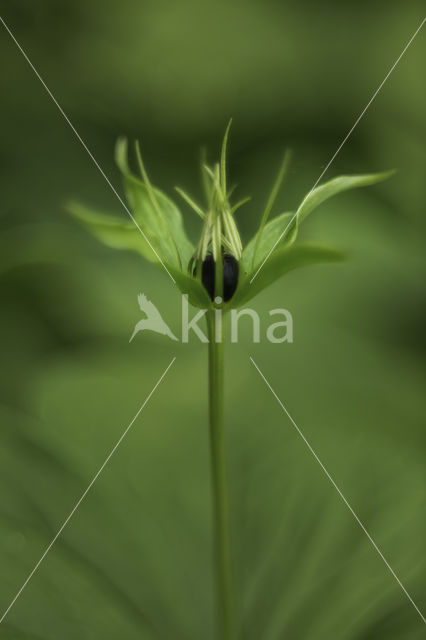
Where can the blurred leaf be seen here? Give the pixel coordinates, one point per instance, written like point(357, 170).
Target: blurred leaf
point(125, 235)
point(111, 231)
point(284, 228)
point(270, 234)
point(280, 262)
point(337, 185)
point(157, 215)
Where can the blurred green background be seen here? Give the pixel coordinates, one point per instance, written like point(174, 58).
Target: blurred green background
point(135, 560)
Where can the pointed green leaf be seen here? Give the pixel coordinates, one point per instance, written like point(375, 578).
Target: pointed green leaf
point(197, 295)
point(125, 235)
point(112, 231)
point(335, 186)
point(271, 200)
point(268, 237)
point(280, 262)
point(156, 214)
point(283, 229)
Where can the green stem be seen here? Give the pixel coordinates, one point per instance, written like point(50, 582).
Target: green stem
point(221, 529)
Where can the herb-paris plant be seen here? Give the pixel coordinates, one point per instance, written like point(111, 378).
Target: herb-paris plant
point(165, 241)
point(217, 273)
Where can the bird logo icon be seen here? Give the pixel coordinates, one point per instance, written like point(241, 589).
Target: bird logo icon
point(153, 320)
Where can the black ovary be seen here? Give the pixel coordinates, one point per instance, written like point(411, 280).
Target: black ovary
point(230, 275)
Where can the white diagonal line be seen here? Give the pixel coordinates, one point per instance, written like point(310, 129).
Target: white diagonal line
point(339, 491)
point(80, 139)
point(80, 500)
point(327, 166)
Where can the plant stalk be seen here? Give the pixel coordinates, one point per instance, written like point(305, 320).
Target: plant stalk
point(221, 528)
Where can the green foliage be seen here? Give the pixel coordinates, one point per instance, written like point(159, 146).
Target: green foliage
point(157, 215)
point(270, 203)
point(139, 548)
point(331, 188)
point(114, 232)
point(159, 234)
point(282, 261)
point(282, 231)
point(265, 239)
point(156, 231)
